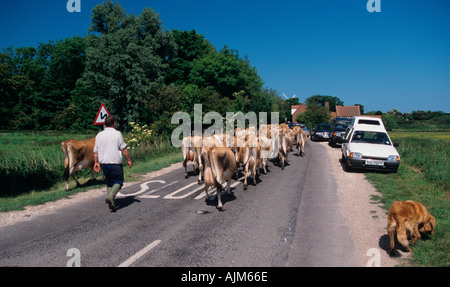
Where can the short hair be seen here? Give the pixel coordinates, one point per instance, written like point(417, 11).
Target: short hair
point(110, 120)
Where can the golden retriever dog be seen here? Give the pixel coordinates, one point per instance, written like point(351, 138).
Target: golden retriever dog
point(407, 219)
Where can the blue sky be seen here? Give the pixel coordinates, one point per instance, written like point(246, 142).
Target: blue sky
point(397, 58)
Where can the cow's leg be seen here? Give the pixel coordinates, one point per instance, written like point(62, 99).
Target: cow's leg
point(245, 175)
point(219, 199)
point(199, 177)
point(265, 165)
point(193, 158)
point(281, 158)
point(228, 186)
point(92, 173)
point(255, 170)
point(200, 167)
point(76, 180)
point(74, 169)
point(206, 191)
point(185, 168)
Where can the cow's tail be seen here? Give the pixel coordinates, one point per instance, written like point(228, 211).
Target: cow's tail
point(66, 173)
point(213, 170)
point(302, 146)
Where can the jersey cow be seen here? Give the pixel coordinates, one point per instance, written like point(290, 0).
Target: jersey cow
point(79, 155)
point(300, 140)
point(219, 166)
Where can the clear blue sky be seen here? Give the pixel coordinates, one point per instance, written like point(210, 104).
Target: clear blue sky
point(398, 58)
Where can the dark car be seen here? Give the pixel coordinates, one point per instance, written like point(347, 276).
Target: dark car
point(338, 128)
point(321, 132)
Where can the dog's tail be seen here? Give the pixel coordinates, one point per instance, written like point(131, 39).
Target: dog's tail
point(392, 230)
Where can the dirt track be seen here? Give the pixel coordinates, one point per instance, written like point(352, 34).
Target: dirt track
point(367, 220)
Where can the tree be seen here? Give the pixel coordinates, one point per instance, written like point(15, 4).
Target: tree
point(321, 100)
point(361, 108)
point(125, 57)
point(314, 114)
point(190, 46)
point(230, 76)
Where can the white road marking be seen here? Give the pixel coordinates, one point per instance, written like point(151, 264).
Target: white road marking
point(144, 188)
point(172, 195)
point(211, 192)
point(144, 193)
point(148, 194)
point(139, 254)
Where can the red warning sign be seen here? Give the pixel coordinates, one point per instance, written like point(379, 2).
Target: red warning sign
point(101, 115)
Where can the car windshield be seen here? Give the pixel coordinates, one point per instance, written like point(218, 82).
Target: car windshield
point(323, 127)
point(341, 124)
point(370, 137)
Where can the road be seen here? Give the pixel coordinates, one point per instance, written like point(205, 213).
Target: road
point(292, 217)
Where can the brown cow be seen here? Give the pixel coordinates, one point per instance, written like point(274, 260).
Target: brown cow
point(219, 166)
point(250, 155)
point(300, 140)
point(189, 154)
point(285, 146)
point(79, 155)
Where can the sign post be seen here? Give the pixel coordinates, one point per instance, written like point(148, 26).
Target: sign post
point(101, 115)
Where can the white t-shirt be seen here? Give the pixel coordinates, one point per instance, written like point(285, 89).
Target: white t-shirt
point(108, 145)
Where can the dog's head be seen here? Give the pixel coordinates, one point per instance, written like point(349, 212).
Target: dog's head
point(428, 226)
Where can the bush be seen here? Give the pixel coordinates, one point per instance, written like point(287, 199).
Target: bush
point(139, 135)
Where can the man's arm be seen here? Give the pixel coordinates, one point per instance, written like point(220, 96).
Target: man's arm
point(127, 155)
point(96, 163)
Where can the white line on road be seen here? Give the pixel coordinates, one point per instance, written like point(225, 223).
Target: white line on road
point(144, 188)
point(148, 194)
point(138, 255)
point(172, 195)
point(211, 191)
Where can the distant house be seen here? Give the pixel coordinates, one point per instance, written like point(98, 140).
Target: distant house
point(296, 110)
point(341, 111)
point(347, 111)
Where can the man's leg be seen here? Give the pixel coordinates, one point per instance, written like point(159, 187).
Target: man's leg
point(112, 192)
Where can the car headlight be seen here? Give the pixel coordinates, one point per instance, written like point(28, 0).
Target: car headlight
point(355, 155)
point(393, 158)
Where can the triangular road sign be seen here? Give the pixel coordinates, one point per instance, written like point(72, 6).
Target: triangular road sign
point(101, 115)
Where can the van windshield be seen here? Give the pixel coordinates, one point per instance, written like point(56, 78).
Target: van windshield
point(370, 137)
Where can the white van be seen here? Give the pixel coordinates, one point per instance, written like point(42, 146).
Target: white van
point(367, 145)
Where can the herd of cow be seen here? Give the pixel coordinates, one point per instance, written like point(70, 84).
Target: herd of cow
point(216, 158)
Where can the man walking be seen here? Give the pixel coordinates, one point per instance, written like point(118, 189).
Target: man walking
point(108, 150)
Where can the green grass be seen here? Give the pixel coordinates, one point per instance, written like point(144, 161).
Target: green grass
point(423, 176)
point(32, 165)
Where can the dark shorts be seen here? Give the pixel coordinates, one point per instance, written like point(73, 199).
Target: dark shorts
point(113, 174)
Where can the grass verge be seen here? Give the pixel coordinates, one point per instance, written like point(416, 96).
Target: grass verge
point(36, 197)
point(422, 177)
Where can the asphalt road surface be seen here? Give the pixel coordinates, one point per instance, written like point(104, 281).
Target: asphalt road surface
point(292, 217)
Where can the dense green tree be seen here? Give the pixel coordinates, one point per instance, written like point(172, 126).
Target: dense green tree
point(190, 46)
point(126, 56)
point(315, 114)
point(321, 100)
point(142, 73)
